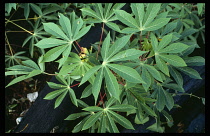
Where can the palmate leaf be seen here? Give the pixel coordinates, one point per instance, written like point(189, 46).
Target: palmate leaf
point(158, 23)
point(174, 48)
point(79, 126)
point(118, 45)
point(127, 73)
point(60, 99)
point(138, 10)
point(162, 65)
point(173, 60)
point(93, 108)
point(129, 54)
point(54, 94)
point(91, 121)
point(111, 124)
point(143, 21)
point(77, 115)
point(31, 69)
point(69, 32)
point(55, 86)
point(97, 84)
point(112, 84)
point(103, 124)
point(190, 72)
point(152, 70)
point(55, 30)
point(122, 108)
point(121, 120)
point(50, 42)
point(105, 15)
point(126, 18)
point(54, 53)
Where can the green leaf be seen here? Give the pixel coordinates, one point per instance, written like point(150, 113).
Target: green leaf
point(190, 72)
point(126, 18)
point(113, 26)
point(54, 94)
point(82, 32)
point(148, 110)
point(176, 75)
point(34, 73)
point(56, 86)
point(110, 102)
point(54, 53)
point(169, 28)
point(50, 42)
point(147, 78)
point(105, 46)
point(87, 91)
point(55, 30)
point(137, 95)
point(154, 72)
point(18, 79)
point(129, 30)
point(107, 9)
point(121, 120)
point(112, 126)
point(100, 9)
point(168, 99)
point(93, 108)
point(194, 61)
point(66, 25)
point(66, 69)
point(31, 64)
point(97, 84)
point(79, 126)
point(73, 97)
point(151, 12)
point(121, 108)
point(62, 80)
point(90, 73)
point(165, 41)
point(36, 9)
point(138, 10)
point(129, 54)
point(76, 115)
point(127, 73)
point(174, 48)
point(15, 73)
point(174, 60)
point(112, 84)
point(26, 10)
point(158, 23)
point(91, 121)
point(156, 128)
point(65, 55)
point(154, 42)
point(91, 13)
point(60, 99)
point(118, 45)
point(188, 32)
point(162, 65)
point(102, 125)
point(160, 99)
point(21, 67)
point(200, 7)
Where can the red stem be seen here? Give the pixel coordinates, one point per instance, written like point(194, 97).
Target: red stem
point(75, 85)
point(78, 45)
point(99, 48)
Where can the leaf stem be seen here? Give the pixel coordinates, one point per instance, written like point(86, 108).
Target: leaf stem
point(19, 26)
point(189, 95)
point(99, 48)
